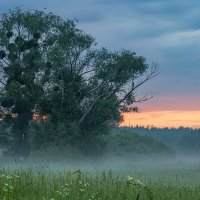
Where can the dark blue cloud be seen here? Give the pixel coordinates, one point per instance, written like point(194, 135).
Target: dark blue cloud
point(165, 32)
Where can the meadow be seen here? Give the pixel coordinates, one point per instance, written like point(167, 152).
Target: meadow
point(20, 181)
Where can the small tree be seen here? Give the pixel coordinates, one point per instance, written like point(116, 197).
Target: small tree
point(50, 67)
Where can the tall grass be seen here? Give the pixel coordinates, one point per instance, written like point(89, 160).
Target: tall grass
point(46, 184)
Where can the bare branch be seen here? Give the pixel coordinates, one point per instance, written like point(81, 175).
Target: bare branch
point(153, 73)
point(90, 108)
point(5, 62)
point(92, 70)
point(114, 91)
point(143, 98)
point(2, 82)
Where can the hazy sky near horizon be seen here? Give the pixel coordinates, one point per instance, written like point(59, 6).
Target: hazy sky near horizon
point(165, 32)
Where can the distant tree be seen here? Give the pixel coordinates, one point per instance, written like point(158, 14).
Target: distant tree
point(50, 67)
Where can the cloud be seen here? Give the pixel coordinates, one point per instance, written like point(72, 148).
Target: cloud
point(156, 115)
point(175, 103)
point(192, 121)
point(180, 38)
point(165, 32)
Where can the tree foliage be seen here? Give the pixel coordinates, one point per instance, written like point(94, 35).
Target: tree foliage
point(50, 67)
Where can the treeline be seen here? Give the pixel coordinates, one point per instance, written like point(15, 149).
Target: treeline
point(182, 139)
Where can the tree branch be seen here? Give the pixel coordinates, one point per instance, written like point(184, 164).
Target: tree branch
point(5, 135)
point(92, 70)
point(154, 72)
point(2, 82)
point(90, 108)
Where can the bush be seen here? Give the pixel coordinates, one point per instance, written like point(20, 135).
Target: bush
point(122, 143)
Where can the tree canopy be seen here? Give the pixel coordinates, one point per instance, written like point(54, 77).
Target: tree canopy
point(51, 68)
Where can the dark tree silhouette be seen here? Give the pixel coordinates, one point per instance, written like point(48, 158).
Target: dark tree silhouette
point(49, 66)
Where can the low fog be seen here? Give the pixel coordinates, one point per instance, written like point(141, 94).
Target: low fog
point(123, 164)
point(126, 150)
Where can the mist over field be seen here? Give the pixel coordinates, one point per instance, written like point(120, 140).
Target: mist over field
point(133, 166)
point(126, 150)
point(63, 99)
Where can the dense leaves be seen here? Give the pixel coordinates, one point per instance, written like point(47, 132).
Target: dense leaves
point(50, 67)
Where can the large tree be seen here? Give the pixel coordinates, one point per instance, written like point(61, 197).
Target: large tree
point(50, 67)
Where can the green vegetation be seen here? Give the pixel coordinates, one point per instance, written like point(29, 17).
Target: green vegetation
point(106, 185)
point(127, 144)
point(61, 99)
point(51, 69)
point(181, 140)
point(119, 144)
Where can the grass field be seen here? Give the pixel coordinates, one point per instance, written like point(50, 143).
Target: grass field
point(45, 183)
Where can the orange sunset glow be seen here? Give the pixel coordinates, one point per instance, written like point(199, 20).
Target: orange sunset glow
point(168, 111)
point(163, 119)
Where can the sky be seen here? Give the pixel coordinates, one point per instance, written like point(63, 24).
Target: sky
point(166, 33)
